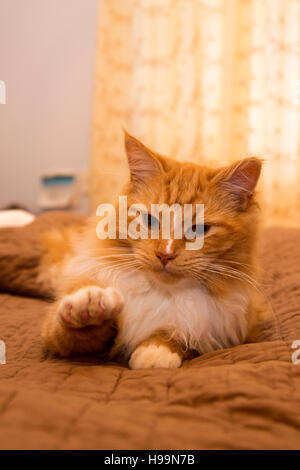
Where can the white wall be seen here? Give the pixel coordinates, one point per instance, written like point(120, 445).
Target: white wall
point(47, 61)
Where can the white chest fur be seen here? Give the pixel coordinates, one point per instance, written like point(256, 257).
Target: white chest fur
point(200, 321)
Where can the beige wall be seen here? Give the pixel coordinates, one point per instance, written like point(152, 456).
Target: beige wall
point(46, 61)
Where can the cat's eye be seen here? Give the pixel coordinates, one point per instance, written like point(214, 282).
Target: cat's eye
point(205, 228)
point(151, 222)
point(196, 230)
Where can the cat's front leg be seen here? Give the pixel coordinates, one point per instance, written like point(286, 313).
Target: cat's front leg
point(157, 352)
point(83, 319)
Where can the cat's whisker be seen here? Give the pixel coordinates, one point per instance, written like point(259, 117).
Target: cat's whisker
point(233, 262)
point(234, 274)
point(115, 256)
point(114, 264)
point(235, 271)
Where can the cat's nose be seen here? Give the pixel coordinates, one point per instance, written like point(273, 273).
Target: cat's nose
point(165, 257)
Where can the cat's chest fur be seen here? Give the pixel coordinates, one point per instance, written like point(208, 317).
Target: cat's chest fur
point(201, 322)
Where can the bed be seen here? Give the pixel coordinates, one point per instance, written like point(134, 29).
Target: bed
point(247, 397)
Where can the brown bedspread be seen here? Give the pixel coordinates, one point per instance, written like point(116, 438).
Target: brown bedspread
point(247, 397)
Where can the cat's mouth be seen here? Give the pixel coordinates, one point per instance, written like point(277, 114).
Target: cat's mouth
point(167, 275)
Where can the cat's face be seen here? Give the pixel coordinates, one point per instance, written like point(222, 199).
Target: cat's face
point(230, 216)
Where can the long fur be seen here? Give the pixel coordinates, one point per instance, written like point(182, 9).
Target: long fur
point(203, 300)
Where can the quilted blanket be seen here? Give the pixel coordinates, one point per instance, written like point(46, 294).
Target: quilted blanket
point(247, 397)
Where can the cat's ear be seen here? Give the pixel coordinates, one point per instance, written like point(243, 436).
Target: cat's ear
point(143, 165)
point(239, 180)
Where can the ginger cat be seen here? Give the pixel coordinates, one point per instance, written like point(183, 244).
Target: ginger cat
point(158, 302)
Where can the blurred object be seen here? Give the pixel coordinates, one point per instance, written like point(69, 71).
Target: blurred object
point(2, 92)
point(58, 190)
point(47, 55)
point(15, 218)
point(14, 206)
point(210, 81)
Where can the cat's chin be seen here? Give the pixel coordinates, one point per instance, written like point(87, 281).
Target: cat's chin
point(167, 277)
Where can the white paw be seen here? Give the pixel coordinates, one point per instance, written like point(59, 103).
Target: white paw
point(154, 356)
point(90, 306)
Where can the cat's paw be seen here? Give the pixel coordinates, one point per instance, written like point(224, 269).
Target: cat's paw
point(90, 305)
point(152, 356)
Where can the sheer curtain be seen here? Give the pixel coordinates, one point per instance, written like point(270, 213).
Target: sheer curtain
point(209, 81)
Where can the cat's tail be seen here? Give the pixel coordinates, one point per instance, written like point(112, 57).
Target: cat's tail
point(22, 252)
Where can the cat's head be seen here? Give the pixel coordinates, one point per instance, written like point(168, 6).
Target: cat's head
point(230, 216)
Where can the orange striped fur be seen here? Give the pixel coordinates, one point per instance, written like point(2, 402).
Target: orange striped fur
point(157, 314)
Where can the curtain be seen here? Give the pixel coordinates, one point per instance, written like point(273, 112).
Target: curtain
point(209, 81)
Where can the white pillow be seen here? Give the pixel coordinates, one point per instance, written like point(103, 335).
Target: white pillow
point(15, 218)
